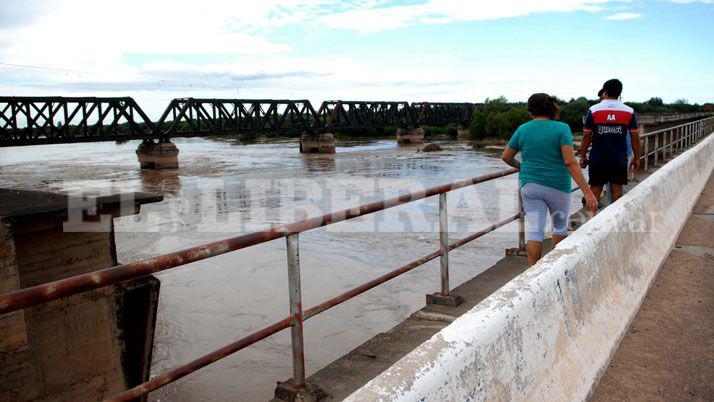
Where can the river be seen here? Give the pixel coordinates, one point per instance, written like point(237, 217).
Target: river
point(223, 189)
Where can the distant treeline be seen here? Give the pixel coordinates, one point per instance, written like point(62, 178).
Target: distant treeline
point(500, 118)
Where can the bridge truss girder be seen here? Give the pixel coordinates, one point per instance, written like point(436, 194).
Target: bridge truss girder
point(51, 120)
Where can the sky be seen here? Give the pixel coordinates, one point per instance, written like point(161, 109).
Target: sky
point(411, 50)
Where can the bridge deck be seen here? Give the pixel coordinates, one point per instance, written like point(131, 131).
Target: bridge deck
point(667, 354)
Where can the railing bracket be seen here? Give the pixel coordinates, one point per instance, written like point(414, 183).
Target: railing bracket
point(450, 300)
point(286, 391)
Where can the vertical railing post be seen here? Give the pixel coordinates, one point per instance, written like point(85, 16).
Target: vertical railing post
point(293, 246)
point(444, 244)
point(671, 143)
point(656, 148)
point(521, 221)
point(646, 153)
point(683, 139)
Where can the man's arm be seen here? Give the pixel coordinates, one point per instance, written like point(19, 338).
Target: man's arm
point(584, 145)
point(588, 126)
point(634, 128)
point(635, 141)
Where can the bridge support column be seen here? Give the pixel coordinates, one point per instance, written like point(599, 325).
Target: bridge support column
point(317, 143)
point(463, 132)
point(410, 136)
point(161, 155)
point(107, 331)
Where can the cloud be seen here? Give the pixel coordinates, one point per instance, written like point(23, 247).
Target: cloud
point(623, 16)
point(380, 18)
point(18, 13)
point(212, 48)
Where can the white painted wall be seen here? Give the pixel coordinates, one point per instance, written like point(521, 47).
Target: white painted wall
point(550, 332)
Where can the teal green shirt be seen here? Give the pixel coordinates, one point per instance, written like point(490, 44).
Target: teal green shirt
point(539, 142)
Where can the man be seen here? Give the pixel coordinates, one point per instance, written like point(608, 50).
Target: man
point(607, 126)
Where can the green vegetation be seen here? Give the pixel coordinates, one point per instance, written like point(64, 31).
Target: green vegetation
point(500, 118)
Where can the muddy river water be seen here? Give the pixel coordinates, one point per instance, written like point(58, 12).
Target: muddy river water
point(223, 189)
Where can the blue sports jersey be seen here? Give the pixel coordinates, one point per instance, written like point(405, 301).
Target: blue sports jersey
point(610, 122)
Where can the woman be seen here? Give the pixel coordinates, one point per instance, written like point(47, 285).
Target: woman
point(548, 162)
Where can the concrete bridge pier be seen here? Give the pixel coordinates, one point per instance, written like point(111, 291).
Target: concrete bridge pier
point(83, 347)
point(463, 132)
point(312, 143)
point(161, 155)
point(410, 136)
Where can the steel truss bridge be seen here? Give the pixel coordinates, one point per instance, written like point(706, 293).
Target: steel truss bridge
point(53, 120)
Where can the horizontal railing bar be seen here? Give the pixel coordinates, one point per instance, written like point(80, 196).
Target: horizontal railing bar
point(47, 292)
point(203, 361)
point(404, 268)
point(662, 130)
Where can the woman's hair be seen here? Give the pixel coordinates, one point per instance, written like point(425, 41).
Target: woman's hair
point(543, 105)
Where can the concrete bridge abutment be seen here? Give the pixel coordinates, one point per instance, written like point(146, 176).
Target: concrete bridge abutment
point(84, 347)
point(323, 143)
point(410, 136)
point(158, 155)
point(463, 132)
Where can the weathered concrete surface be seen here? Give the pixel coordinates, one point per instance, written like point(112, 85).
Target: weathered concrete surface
point(668, 351)
point(345, 375)
point(12, 326)
point(84, 347)
point(317, 143)
point(410, 136)
point(549, 333)
point(162, 155)
point(463, 132)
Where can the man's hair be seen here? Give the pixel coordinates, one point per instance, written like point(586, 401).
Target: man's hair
point(600, 92)
point(543, 105)
point(613, 88)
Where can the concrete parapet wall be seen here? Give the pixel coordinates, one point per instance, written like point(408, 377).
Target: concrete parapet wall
point(550, 332)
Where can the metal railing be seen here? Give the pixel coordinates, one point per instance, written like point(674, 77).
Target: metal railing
point(660, 144)
point(679, 137)
point(35, 295)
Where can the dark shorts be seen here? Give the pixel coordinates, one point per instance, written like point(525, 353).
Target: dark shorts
point(603, 174)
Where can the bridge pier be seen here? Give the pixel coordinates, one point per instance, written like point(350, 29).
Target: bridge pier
point(161, 155)
point(323, 143)
point(87, 346)
point(410, 136)
point(463, 132)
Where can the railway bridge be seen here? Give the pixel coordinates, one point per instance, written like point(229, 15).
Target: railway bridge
point(57, 120)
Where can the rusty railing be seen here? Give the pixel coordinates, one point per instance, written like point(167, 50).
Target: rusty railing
point(35, 295)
